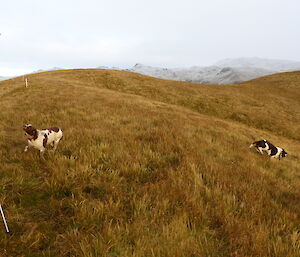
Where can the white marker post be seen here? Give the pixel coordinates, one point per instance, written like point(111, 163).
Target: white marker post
point(4, 220)
point(26, 83)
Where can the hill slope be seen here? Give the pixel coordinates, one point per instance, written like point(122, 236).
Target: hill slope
point(150, 167)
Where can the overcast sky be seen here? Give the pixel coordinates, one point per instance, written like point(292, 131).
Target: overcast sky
point(41, 34)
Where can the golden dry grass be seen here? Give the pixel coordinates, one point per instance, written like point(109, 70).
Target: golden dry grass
point(149, 167)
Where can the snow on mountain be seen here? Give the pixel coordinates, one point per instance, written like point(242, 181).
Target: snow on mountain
point(204, 75)
point(227, 71)
point(162, 73)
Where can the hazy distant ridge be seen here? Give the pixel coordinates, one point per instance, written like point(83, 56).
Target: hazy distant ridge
point(260, 63)
point(3, 78)
point(226, 71)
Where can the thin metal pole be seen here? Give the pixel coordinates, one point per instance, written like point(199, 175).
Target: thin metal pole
point(4, 220)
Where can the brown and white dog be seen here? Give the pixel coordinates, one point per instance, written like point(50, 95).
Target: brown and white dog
point(39, 139)
point(272, 151)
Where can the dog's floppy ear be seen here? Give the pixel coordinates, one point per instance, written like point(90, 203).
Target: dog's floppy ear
point(284, 153)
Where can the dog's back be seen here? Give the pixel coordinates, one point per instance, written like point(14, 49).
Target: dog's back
point(54, 134)
point(261, 143)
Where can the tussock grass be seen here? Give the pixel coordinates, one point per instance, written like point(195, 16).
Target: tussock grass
point(149, 167)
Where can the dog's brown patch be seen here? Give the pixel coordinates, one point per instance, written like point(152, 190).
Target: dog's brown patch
point(45, 140)
point(55, 129)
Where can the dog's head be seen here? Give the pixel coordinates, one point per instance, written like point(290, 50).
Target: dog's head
point(284, 153)
point(30, 131)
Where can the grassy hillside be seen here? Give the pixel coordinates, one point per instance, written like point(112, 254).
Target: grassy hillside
point(149, 167)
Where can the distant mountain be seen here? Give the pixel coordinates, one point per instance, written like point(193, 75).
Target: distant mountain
point(228, 71)
point(267, 64)
point(108, 68)
point(52, 69)
point(3, 78)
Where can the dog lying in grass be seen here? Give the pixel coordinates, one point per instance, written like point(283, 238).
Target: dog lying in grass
point(39, 139)
point(272, 151)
